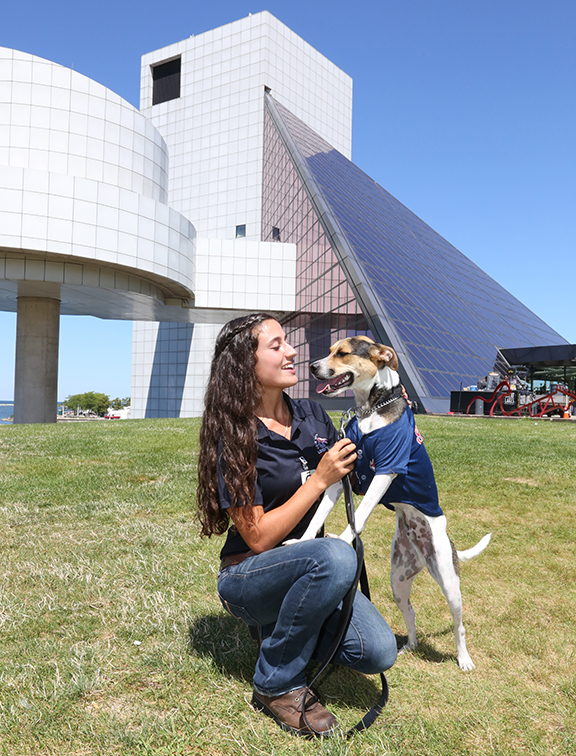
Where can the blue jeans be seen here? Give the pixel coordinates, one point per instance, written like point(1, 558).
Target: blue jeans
point(294, 594)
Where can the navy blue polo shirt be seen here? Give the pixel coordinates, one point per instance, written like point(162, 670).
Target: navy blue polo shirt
point(397, 448)
point(281, 463)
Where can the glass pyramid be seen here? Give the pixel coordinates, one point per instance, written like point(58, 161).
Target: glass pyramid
point(367, 265)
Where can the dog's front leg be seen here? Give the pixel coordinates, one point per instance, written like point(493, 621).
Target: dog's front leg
point(331, 496)
point(373, 496)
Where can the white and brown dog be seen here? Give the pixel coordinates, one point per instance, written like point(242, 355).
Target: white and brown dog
point(393, 468)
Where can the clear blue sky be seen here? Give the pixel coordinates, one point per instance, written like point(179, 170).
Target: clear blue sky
point(465, 111)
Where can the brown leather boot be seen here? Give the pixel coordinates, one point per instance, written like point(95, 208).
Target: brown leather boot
point(286, 711)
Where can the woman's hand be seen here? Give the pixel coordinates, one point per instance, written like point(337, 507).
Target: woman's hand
point(337, 462)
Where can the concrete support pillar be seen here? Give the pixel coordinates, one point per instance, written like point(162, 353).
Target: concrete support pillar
point(36, 379)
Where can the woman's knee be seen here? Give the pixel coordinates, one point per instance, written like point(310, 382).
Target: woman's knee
point(370, 645)
point(338, 560)
point(374, 653)
point(382, 653)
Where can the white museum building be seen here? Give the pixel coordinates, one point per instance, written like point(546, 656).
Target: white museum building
point(231, 190)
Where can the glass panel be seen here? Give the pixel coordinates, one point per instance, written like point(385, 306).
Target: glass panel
point(435, 297)
point(326, 309)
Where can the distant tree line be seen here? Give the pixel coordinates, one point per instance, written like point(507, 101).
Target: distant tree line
point(95, 402)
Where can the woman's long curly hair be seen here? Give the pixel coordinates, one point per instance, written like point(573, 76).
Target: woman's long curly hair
point(229, 423)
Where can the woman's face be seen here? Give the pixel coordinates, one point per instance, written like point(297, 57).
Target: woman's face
point(274, 357)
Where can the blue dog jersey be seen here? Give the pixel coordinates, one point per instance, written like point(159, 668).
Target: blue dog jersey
point(397, 448)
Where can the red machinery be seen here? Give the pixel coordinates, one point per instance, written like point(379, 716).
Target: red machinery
point(536, 406)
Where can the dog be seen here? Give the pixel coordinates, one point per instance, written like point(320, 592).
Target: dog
point(393, 467)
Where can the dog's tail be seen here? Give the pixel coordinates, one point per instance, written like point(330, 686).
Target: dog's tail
point(464, 556)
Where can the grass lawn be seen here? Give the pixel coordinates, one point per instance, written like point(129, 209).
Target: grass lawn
point(113, 641)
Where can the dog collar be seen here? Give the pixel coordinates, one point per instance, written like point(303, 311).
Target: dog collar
point(361, 413)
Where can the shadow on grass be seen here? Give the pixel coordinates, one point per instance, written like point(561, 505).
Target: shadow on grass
point(425, 650)
point(227, 642)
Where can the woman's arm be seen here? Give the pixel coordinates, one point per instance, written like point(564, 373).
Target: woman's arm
point(266, 529)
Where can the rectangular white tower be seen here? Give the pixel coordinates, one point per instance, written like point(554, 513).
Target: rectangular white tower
point(205, 95)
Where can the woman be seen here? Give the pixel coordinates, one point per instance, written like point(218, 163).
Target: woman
point(265, 461)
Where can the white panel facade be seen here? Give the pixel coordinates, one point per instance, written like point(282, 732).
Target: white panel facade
point(214, 130)
point(245, 275)
point(83, 191)
point(214, 133)
point(51, 213)
point(55, 120)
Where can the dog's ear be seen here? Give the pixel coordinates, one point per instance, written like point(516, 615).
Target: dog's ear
point(384, 354)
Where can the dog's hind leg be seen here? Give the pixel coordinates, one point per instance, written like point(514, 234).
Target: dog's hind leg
point(401, 587)
point(444, 567)
point(407, 562)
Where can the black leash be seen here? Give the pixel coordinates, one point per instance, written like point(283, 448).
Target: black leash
point(346, 611)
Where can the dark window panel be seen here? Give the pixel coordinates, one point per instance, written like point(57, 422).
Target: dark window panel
point(166, 81)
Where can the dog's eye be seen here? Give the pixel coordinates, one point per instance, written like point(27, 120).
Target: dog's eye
point(341, 353)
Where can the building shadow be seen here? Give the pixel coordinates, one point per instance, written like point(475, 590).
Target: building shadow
point(169, 369)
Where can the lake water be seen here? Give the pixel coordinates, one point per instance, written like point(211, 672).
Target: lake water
point(6, 409)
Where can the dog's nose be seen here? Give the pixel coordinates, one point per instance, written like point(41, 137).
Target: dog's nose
point(314, 367)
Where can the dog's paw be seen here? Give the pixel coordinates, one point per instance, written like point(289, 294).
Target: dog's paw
point(466, 664)
point(347, 535)
point(291, 541)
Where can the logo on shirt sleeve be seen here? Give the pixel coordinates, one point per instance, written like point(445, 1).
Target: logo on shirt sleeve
point(418, 435)
point(321, 444)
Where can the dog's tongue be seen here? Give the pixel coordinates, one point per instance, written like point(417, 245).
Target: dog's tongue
point(325, 387)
